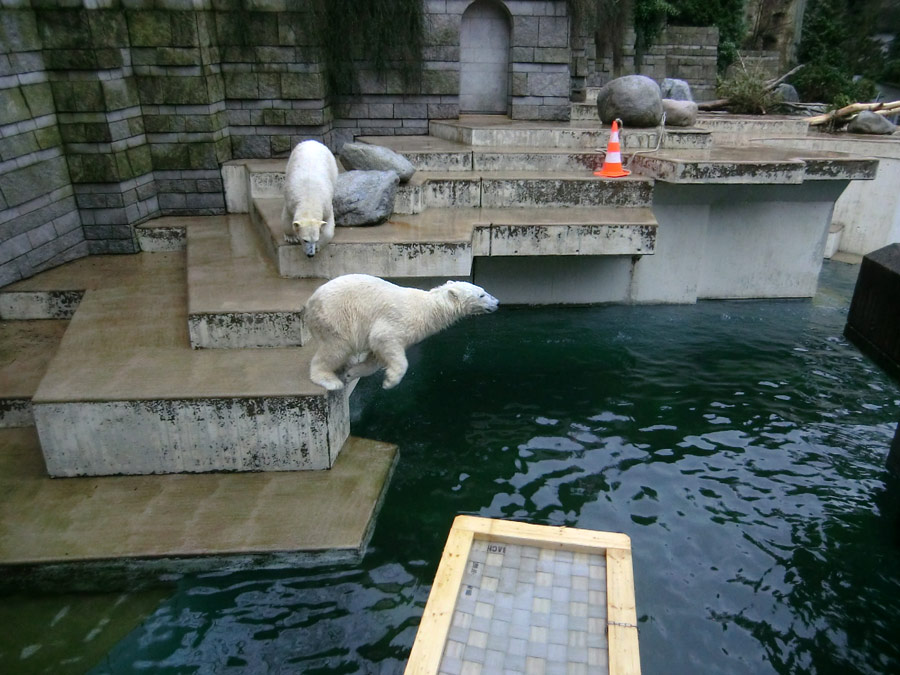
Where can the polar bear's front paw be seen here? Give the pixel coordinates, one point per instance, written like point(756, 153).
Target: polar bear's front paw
point(292, 239)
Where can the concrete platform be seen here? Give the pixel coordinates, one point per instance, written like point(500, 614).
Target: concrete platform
point(56, 293)
point(442, 243)
point(26, 347)
point(462, 189)
point(181, 523)
point(236, 298)
point(126, 394)
point(499, 130)
point(734, 222)
point(761, 165)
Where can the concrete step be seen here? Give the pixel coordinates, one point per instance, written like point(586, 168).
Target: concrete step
point(488, 188)
point(442, 243)
point(126, 394)
point(435, 155)
point(141, 528)
point(520, 189)
point(26, 347)
point(236, 298)
point(499, 131)
point(164, 234)
point(56, 293)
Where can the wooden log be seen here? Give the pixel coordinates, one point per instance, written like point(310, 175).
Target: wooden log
point(879, 107)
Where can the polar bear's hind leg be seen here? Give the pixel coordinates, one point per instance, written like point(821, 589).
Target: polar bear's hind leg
point(324, 366)
point(368, 366)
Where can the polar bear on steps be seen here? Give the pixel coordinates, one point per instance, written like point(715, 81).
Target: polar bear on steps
point(308, 213)
point(362, 324)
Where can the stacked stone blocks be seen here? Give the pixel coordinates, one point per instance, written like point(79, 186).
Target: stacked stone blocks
point(540, 61)
point(685, 52)
point(39, 222)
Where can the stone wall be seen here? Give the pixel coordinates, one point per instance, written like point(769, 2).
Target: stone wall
point(540, 60)
point(684, 52)
point(39, 222)
point(113, 112)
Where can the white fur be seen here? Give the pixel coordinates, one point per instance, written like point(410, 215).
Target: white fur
point(308, 213)
point(363, 323)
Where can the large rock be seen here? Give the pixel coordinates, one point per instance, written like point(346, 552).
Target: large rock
point(365, 157)
point(868, 122)
point(675, 89)
point(680, 113)
point(364, 197)
point(787, 93)
point(635, 99)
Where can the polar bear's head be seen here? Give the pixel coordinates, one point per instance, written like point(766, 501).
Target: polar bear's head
point(471, 299)
point(307, 231)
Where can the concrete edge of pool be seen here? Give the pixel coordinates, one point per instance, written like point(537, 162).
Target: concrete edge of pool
point(85, 532)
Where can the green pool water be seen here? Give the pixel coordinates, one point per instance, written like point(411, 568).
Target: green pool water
point(741, 445)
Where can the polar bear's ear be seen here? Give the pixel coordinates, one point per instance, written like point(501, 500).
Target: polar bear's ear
point(452, 290)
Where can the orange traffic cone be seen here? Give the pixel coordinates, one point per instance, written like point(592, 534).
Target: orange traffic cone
point(612, 163)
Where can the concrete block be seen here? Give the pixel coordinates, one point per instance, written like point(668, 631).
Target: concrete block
point(872, 320)
point(557, 192)
point(158, 239)
point(173, 436)
point(382, 259)
point(572, 240)
point(34, 305)
point(247, 330)
point(553, 32)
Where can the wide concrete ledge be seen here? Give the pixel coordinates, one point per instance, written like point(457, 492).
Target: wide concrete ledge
point(487, 188)
point(26, 348)
point(868, 213)
point(236, 298)
point(736, 241)
point(728, 129)
point(126, 393)
point(442, 243)
point(498, 130)
point(757, 165)
point(430, 154)
point(174, 524)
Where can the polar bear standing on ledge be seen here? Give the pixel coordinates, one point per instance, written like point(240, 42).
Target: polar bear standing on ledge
point(308, 213)
point(363, 323)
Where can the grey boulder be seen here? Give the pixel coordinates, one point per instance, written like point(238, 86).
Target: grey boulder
point(680, 113)
point(868, 122)
point(675, 89)
point(787, 93)
point(365, 157)
point(634, 99)
point(364, 197)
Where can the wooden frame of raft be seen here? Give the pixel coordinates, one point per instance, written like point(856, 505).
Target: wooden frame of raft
point(621, 616)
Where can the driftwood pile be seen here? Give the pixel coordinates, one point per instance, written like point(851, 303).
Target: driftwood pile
point(846, 113)
point(834, 117)
point(771, 85)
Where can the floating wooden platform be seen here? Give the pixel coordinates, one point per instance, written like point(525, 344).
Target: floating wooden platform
point(514, 597)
